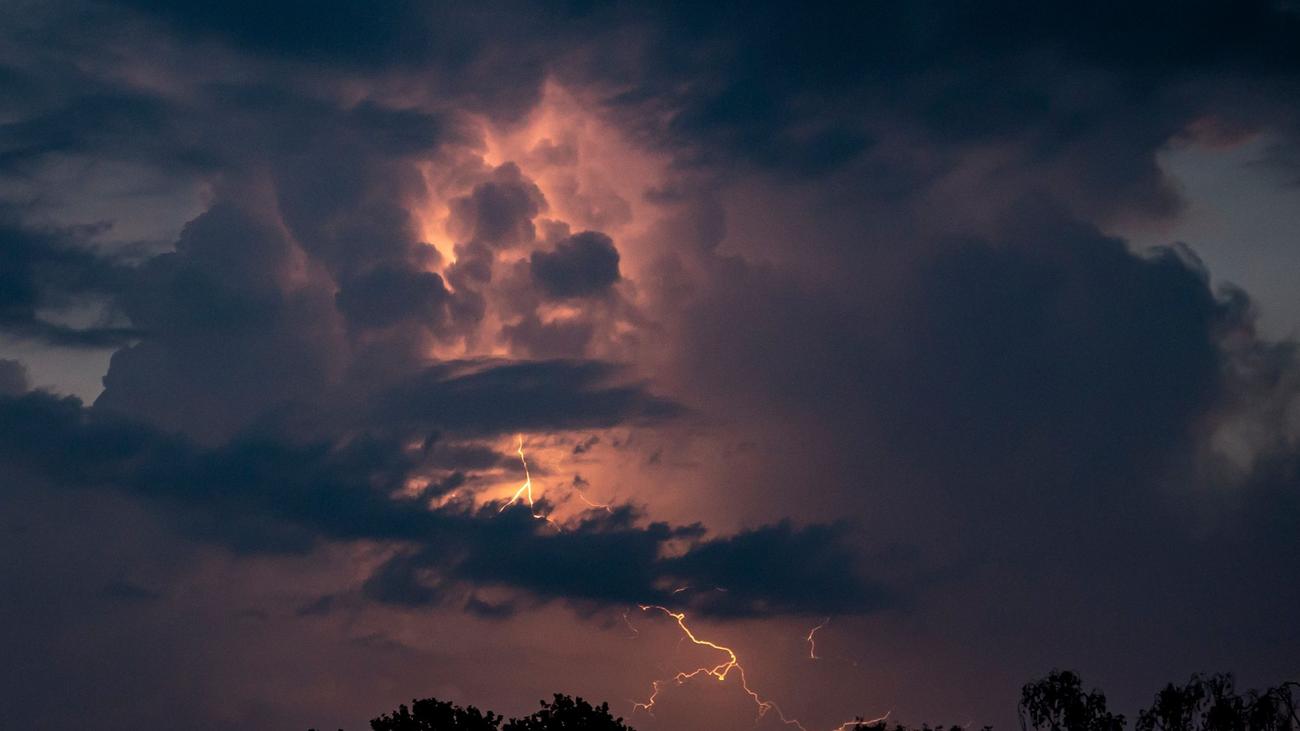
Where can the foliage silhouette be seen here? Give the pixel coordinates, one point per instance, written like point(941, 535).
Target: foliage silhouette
point(561, 714)
point(1058, 703)
point(568, 714)
point(1212, 704)
point(432, 714)
point(883, 726)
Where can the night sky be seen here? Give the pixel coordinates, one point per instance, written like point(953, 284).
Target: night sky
point(964, 332)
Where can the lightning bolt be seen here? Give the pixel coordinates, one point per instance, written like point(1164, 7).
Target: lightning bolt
point(725, 668)
point(590, 504)
point(525, 491)
point(719, 671)
point(812, 643)
point(635, 632)
point(861, 724)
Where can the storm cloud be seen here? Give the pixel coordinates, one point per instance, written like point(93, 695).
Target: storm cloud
point(416, 320)
point(582, 265)
point(258, 494)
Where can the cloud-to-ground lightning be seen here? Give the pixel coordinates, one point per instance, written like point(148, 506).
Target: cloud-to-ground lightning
point(720, 671)
point(812, 641)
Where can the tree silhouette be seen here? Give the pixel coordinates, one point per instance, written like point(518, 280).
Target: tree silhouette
point(561, 714)
point(1176, 708)
point(432, 714)
point(883, 726)
point(1058, 703)
point(1212, 704)
point(568, 714)
point(1275, 709)
point(1055, 703)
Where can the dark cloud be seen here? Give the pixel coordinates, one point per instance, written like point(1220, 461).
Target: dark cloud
point(812, 94)
point(490, 66)
point(1041, 402)
point(13, 377)
point(604, 561)
point(556, 339)
point(336, 30)
point(256, 495)
point(582, 265)
point(383, 297)
point(231, 334)
point(607, 559)
point(47, 273)
point(720, 87)
point(1046, 369)
point(815, 559)
point(89, 121)
point(487, 396)
point(1056, 335)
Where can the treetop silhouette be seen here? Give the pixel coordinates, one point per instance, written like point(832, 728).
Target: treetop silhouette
point(1057, 702)
point(431, 714)
point(561, 714)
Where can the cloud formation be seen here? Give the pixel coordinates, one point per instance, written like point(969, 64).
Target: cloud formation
point(582, 265)
point(799, 312)
point(258, 494)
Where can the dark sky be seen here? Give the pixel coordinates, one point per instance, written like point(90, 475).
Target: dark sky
point(968, 327)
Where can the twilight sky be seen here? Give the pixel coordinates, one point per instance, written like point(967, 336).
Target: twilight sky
point(964, 331)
